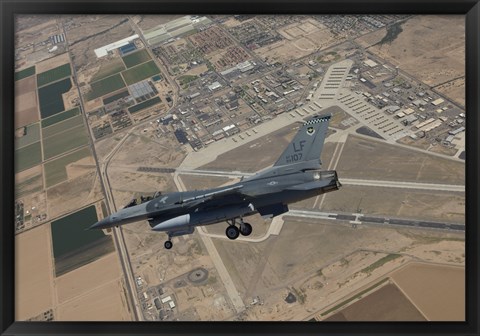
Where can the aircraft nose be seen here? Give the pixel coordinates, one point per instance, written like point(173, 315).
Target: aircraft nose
point(102, 224)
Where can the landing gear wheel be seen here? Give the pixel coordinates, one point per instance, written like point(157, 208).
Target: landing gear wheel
point(232, 232)
point(245, 229)
point(168, 244)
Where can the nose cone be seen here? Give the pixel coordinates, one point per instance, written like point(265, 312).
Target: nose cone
point(102, 224)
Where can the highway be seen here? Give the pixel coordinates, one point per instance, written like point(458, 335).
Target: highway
point(119, 243)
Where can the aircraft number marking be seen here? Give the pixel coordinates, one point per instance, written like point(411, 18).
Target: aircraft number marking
point(293, 157)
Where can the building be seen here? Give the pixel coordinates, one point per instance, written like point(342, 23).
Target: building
point(437, 102)
point(214, 86)
point(103, 51)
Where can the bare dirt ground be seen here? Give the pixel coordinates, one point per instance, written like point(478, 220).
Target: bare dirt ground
point(198, 70)
point(92, 32)
point(454, 89)
point(140, 150)
point(386, 304)
point(26, 107)
point(52, 63)
point(103, 303)
point(33, 273)
point(80, 167)
point(430, 48)
point(395, 202)
point(105, 270)
point(146, 22)
point(437, 291)
point(73, 194)
point(387, 162)
point(141, 183)
point(33, 174)
point(302, 39)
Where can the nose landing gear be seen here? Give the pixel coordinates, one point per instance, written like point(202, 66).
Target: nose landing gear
point(168, 244)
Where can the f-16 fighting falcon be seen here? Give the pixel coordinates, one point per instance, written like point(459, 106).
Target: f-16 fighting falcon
point(294, 177)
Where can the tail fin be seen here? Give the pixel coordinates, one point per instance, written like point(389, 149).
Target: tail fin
point(308, 142)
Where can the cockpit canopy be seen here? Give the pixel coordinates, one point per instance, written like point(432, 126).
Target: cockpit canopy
point(142, 199)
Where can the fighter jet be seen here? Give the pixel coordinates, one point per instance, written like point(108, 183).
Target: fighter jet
point(295, 176)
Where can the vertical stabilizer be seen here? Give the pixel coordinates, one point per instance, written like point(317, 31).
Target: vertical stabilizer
point(308, 142)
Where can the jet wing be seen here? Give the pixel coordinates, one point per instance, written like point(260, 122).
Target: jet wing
point(211, 195)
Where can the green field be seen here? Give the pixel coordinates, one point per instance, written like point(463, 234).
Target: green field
point(25, 73)
point(62, 126)
point(50, 97)
point(55, 171)
point(73, 245)
point(108, 69)
point(140, 72)
point(28, 157)
point(184, 80)
point(104, 86)
point(32, 134)
point(54, 74)
point(144, 105)
point(64, 141)
point(117, 96)
point(60, 117)
point(135, 58)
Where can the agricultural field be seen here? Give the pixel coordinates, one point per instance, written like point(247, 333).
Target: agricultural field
point(28, 156)
point(33, 273)
point(144, 105)
point(50, 97)
point(62, 126)
point(110, 99)
point(60, 117)
point(64, 141)
point(140, 72)
point(106, 85)
point(28, 182)
point(385, 304)
point(136, 58)
point(73, 246)
point(54, 74)
point(30, 136)
point(55, 170)
point(26, 106)
point(108, 69)
point(25, 73)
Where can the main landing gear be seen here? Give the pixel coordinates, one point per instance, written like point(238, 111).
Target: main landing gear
point(232, 231)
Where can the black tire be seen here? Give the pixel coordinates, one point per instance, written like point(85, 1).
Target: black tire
point(246, 229)
point(168, 244)
point(232, 232)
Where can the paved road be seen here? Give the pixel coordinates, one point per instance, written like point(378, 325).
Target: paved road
point(119, 243)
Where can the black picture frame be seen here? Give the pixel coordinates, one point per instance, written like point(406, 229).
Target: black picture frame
point(10, 8)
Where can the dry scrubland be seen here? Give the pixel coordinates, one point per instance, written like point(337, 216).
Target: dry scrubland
point(430, 48)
